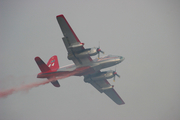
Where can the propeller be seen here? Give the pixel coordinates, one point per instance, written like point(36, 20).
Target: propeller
point(99, 50)
point(115, 74)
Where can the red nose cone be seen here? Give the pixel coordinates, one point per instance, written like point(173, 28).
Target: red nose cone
point(99, 50)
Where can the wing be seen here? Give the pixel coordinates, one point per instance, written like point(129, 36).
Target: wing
point(107, 88)
point(72, 43)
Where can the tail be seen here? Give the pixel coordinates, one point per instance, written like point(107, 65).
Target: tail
point(51, 66)
point(42, 66)
point(53, 63)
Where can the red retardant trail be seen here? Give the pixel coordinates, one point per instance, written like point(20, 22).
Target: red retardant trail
point(5, 93)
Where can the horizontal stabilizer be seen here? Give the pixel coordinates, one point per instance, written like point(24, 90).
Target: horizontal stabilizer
point(42, 66)
point(55, 83)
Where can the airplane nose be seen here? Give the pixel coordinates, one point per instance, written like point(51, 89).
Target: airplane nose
point(122, 58)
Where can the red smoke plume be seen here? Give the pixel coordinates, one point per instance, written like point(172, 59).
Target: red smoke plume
point(29, 86)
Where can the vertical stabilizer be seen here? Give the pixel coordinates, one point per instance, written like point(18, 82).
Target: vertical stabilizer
point(53, 63)
point(54, 66)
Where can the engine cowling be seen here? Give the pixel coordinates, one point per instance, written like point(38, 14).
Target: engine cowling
point(100, 76)
point(86, 52)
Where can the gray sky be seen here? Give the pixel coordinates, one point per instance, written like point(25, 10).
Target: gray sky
point(146, 33)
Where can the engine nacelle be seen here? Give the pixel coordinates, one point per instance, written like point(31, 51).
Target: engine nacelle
point(86, 52)
point(100, 76)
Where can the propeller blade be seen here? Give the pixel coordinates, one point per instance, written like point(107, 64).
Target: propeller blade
point(99, 50)
point(102, 52)
point(118, 75)
point(115, 74)
point(114, 78)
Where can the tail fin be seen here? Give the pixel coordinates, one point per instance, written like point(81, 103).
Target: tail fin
point(42, 66)
point(53, 63)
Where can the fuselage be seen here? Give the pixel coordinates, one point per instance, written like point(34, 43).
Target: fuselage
point(90, 68)
point(107, 61)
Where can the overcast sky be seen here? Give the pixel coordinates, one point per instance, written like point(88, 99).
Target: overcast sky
point(146, 33)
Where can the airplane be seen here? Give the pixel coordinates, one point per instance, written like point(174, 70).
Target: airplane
point(83, 65)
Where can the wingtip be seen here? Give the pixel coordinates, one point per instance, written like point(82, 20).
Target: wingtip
point(121, 104)
point(61, 15)
point(37, 58)
point(57, 86)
